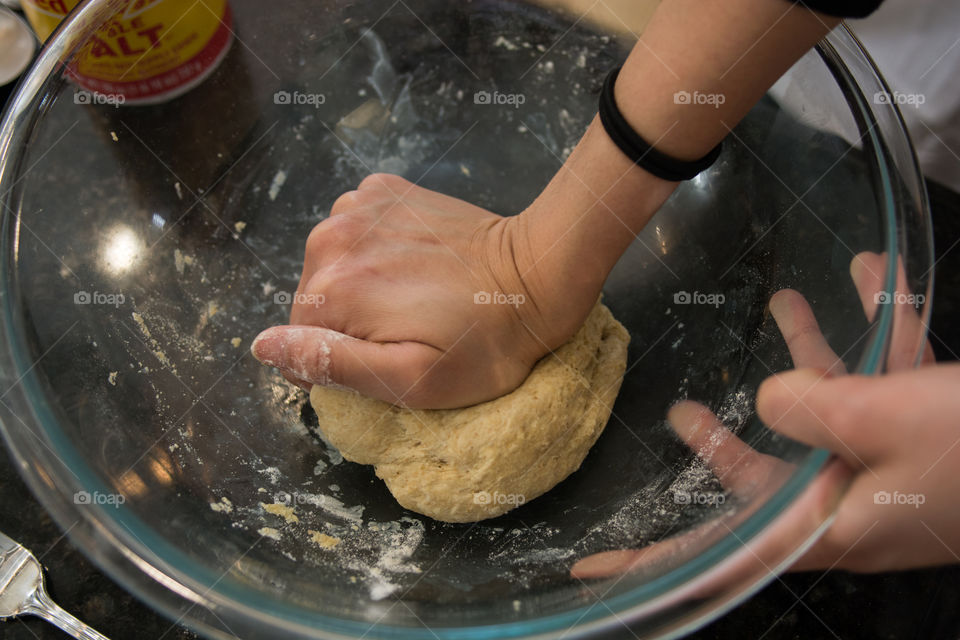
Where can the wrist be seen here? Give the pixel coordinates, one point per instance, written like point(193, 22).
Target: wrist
point(591, 210)
point(700, 67)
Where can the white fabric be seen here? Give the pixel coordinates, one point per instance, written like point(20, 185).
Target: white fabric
point(916, 46)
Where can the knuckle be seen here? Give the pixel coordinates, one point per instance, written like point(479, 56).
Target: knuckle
point(387, 181)
point(324, 281)
point(336, 232)
point(345, 203)
point(315, 239)
point(806, 330)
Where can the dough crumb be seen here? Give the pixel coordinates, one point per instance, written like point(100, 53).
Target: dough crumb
point(154, 345)
point(236, 342)
point(239, 226)
point(143, 325)
point(323, 540)
point(272, 473)
point(269, 532)
point(112, 378)
point(277, 184)
point(282, 510)
point(223, 506)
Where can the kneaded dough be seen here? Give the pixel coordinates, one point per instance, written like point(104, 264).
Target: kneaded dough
point(464, 465)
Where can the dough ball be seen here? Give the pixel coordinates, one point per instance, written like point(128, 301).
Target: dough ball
point(464, 465)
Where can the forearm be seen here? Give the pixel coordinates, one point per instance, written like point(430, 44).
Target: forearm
point(722, 54)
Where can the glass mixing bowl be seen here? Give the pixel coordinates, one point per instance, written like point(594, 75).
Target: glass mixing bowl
point(144, 247)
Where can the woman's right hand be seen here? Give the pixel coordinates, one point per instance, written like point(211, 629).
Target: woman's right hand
point(423, 300)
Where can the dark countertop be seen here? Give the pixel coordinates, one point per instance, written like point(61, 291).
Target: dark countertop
point(909, 604)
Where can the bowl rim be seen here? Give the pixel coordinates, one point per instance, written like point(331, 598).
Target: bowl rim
point(120, 543)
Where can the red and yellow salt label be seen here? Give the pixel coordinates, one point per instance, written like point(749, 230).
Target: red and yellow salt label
point(150, 51)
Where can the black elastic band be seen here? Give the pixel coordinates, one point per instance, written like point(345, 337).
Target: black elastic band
point(635, 148)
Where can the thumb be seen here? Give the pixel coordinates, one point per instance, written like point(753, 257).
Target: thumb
point(385, 371)
point(826, 413)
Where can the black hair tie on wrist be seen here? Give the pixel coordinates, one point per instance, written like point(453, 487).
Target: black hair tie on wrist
point(635, 148)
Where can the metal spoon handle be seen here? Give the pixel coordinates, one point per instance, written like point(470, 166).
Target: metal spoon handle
point(42, 606)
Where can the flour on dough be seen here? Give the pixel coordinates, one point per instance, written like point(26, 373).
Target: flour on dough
point(464, 465)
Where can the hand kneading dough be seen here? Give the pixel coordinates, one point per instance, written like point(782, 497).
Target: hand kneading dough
point(464, 465)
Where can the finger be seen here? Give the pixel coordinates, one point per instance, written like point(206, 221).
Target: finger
point(606, 563)
point(868, 271)
point(611, 563)
point(319, 356)
point(303, 314)
point(928, 356)
point(806, 515)
point(738, 466)
point(767, 550)
point(799, 327)
point(824, 413)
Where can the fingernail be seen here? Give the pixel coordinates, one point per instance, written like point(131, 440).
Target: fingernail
point(266, 347)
